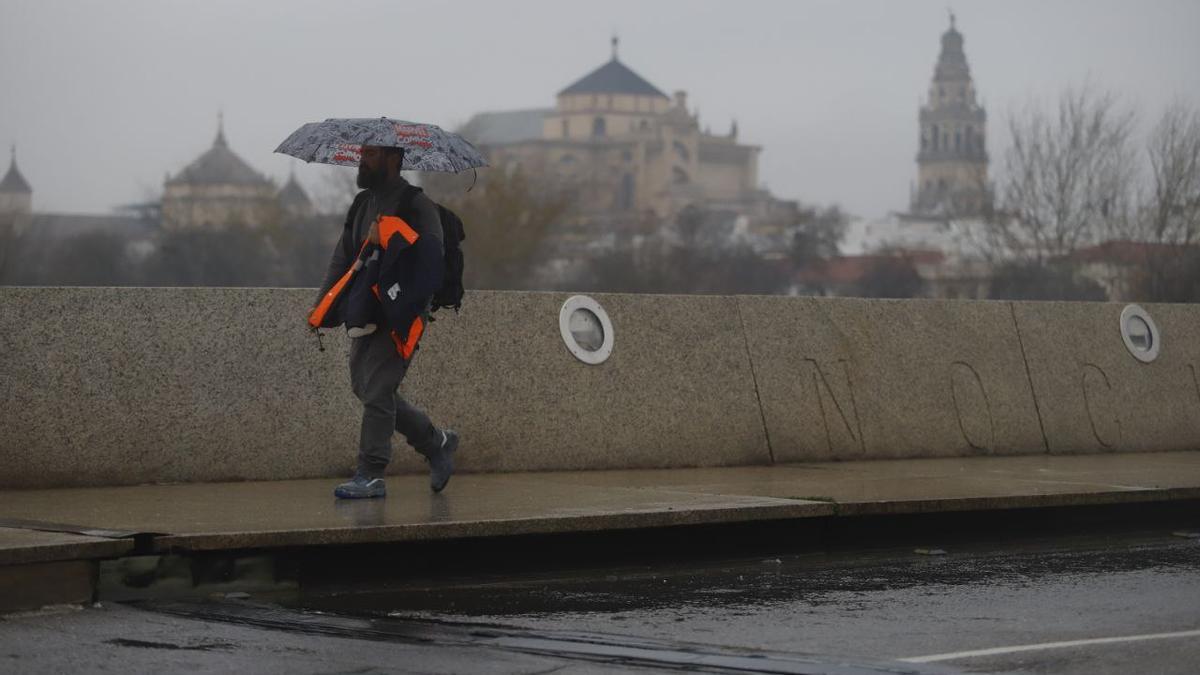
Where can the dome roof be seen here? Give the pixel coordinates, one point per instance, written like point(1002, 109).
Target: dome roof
point(218, 166)
point(613, 77)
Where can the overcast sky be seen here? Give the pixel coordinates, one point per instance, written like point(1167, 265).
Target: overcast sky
point(103, 98)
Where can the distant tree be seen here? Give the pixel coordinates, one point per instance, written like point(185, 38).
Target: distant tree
point(1169, 214)
point(233, 256)
point(679, 263)
point(674, 270)
point(304, 248)
point(890, 276)
point(1032, 281)
point(625, 270)
point(89, 259)
point(507, 217)
point(740, 270)
point(817, 234)
point(1068, 179)
point(336, 190)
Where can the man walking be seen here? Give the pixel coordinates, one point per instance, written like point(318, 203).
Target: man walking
point(390, 209)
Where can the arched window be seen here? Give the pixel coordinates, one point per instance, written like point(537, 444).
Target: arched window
point(599, 128)
point(681, 152)
point(679, 176)
point(625, 194)
point(566, 128)
point(958, 140)
point(933, 132)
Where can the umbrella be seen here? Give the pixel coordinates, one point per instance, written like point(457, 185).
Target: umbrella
point(427, 147)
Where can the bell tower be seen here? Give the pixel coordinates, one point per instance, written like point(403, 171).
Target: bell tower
point(952, 161)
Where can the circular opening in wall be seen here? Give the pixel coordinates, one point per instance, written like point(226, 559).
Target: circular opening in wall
point(586, 329)
point(1139, 333)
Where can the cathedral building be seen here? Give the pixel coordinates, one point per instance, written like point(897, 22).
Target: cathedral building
point(952, 161)
point(625, 151)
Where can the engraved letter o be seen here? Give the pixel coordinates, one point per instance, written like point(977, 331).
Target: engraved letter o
point(972, 407)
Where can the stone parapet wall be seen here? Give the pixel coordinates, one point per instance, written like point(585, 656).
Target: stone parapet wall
point(105, 386)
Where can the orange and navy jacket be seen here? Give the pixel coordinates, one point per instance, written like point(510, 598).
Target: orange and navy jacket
point(410, 271)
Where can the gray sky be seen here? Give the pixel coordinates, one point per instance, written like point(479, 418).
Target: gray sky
point(103, 98)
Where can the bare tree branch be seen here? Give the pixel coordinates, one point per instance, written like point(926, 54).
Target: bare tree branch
point(1069, 178)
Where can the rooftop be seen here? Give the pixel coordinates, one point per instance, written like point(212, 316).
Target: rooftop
point(613, 77)
point(510, 126)
point(218, 166)
point(13, 181)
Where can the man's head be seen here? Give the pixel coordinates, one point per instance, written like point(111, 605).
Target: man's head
point(378, 165)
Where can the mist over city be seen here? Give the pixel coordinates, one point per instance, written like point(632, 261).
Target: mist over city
point(515, 337)
point(826, 148)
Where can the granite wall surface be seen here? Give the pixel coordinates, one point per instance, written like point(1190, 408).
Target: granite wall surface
point(855, 379)
point(105, 386)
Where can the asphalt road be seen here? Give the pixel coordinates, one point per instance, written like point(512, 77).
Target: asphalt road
point(1114, 603)
point(1096, 604)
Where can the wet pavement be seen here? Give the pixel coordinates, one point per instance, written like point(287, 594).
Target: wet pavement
point(855, 607)
point(1107, 601)
point(217, 516)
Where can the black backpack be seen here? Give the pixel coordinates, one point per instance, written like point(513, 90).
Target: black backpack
point(453, 235)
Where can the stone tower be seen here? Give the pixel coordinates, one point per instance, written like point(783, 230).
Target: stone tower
point(952, 162)
point(15, 194)
point(16, 198)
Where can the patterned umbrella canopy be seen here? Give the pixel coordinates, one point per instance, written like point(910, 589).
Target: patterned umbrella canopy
point(427, 147)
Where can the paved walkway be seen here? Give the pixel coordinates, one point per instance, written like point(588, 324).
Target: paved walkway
point(63, 524)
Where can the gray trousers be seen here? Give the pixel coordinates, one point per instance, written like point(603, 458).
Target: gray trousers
point(376, 371)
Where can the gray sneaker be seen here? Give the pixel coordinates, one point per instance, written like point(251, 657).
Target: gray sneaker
point(361, 487)
point(441, 462)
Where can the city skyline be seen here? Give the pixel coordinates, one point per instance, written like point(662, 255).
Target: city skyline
point(833, 130)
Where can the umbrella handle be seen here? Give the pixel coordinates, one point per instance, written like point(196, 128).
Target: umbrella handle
point(474, 177)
